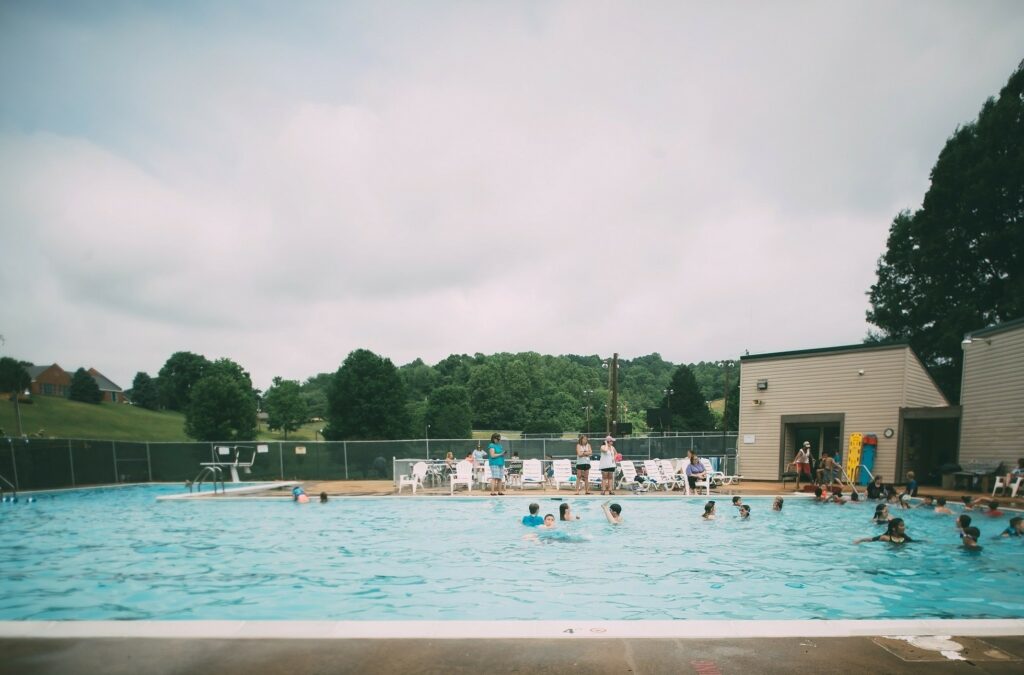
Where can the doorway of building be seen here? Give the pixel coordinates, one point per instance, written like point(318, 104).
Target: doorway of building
point(822, 437)
point(928, 446)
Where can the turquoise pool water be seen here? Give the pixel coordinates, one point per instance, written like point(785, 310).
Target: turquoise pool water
point(119, 554)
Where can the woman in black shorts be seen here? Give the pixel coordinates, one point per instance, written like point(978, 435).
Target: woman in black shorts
point(583, 453)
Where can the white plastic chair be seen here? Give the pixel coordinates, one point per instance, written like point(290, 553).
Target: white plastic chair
point(1002, 484)
point(673, 477)
point(419, 472)
point(533, 474)
point(563, 474)
point(628, 478)
point(463, 476)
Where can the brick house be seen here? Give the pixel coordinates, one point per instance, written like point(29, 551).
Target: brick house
point(53, 380)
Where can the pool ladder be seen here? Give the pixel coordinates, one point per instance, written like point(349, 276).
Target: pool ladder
point(213, 472)
point(14, 490)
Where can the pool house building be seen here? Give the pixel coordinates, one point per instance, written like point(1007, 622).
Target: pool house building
point(823, 396)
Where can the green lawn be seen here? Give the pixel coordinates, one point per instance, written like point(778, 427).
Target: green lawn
point(307, 432)
point(51, 416)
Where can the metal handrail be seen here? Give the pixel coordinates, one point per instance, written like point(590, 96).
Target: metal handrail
point(214, 471)
point(14, 490)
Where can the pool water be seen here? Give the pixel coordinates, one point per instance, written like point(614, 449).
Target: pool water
point(119, 554)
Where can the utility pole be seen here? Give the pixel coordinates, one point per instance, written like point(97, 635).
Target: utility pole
point(612, 415)
point(726, 365)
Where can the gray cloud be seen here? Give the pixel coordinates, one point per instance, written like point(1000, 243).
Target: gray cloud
point(559, 177)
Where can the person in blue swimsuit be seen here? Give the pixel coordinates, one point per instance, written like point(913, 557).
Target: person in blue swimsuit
point(496, 462)
point(1016, 528)
point(534, 519)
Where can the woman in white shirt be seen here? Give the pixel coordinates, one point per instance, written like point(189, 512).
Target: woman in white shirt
point(583, 454)
point(608, 466)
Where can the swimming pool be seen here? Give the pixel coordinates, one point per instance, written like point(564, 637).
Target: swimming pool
point(120, 554)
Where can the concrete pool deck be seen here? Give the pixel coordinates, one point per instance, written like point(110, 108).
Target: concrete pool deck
point(130, 656)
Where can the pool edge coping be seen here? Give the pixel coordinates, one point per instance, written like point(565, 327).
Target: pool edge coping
point(557, 629)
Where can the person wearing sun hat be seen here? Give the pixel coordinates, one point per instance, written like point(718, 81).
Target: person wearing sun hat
point(802, 463)
point(607, 466)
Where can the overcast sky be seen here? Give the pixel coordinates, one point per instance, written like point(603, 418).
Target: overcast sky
point(282, 183)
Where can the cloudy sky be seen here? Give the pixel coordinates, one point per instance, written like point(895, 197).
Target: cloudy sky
point(283, 183)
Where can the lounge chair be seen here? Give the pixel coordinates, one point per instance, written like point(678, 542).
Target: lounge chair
point(655, 473)
point(628, 478)
point(1002, 484)
point(673, 477)
point(463, 476)
point(533, 474)
point(563, 474)
point(419, 472)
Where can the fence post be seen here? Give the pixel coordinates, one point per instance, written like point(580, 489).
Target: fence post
point(14, 464)
point(280, 457)
point(648, 447)
point(149, 463)
point(113, 448)
point(543, 448)
point(71, 461)
point(344, 452)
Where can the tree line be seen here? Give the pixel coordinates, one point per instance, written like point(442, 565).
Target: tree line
point(368, 397)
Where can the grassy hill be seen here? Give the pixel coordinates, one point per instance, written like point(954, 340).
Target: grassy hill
point(51, 416)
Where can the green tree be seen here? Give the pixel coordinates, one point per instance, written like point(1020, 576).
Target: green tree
point(419, 379)
point(177, 377)
point(448, 412)
point(221, 404)
point(366, 400)
point(314, 393)
point(14, 379)
point(84, 387)
point(145, 391)
point(957, 263)
point(686, 405)
point(286, 409)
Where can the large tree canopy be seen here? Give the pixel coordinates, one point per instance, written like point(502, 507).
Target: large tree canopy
point(366, 400)
point(686, 403)
point(448, 412)
point(221, 404)
point(957, 263)
point(177, 377)
point(286, 408)
point(14, 379)
point(145, 391)
point(84, 387)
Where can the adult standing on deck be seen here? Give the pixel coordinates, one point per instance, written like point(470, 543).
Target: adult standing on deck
point(608, 466)
point(802, 463)
point(583, 455)
point(497, 464)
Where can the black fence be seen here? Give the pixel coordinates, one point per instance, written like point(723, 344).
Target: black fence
point(36, 464)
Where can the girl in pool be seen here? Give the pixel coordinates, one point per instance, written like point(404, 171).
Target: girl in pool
point(962, 523)
point(896, 533)
point(583, 454)
point(709, 511)
point(882, 515)
point(565, 513)
point(777, 504)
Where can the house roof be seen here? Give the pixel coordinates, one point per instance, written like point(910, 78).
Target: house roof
point(102, 381)
point(998, 328)
point(823, 351)
point(36, 371)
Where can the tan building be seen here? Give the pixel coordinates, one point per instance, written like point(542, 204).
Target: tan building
point(992, 396)
point(824, 395)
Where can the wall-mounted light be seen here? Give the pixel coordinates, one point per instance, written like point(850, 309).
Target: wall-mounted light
point(762, 385)
point(860, 372)
point(757, 401)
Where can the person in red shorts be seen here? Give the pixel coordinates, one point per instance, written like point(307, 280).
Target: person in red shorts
point(802, 462)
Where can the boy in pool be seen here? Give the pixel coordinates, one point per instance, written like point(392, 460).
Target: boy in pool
point(299, 495)
point(777, 504)
point(940, 506)
point(613, 512)
point(926, 502)
point(1016, 528)
point(533, 519)
point(991, 507)
point(744, 511)
point(709, 511)
point(962, 523)
point(737, 501)
point(323, 497)
point(970, 539)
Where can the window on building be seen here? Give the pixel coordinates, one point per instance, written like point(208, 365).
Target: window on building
point(47, 388)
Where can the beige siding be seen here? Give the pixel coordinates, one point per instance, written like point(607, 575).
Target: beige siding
point(992, 425)
point(829, 383)
point(920, 390)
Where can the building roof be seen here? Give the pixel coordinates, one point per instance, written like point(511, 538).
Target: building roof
point(824, 351)
point(998, 328)
point(102, 381)
point(36, 371)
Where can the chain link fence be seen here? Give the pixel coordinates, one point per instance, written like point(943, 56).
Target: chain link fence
point(36, 464)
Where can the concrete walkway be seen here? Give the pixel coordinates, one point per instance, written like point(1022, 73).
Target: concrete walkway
point(637, 656)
